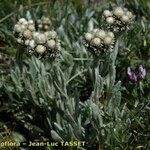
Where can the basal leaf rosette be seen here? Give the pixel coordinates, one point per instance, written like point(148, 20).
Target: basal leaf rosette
point(99, 42)
point(119, 19)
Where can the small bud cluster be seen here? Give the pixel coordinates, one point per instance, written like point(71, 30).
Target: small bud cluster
point(42, 44)
point(119, 19)
point(44, 23)
point(99, 41)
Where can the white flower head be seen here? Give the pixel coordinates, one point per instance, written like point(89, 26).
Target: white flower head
point(96, 41)
point(101, 34)
point(39, 38)
point(52, 34)
point(23, 27)
point(118, 12)
point(19, 41)
point(30, 22)
point(27, 42)
point(111, 34)
point(88, 36)
point(110, 20)
point(46, 27)
point(58, 46)
point(129, 14)
point(40, 49)
point(35, 34)
point(108, 40)
point(39, 21)
point(32, 43)
point(107, 13)
point(25, 23)
point(40, 25)
point(31, 27)
point(27, 34)
point(51, 44)
point(125, 19)
point(17, 28)
point(22, 20)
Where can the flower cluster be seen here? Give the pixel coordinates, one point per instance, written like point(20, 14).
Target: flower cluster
point(47, 44)
point(42, 44)
point(118, 20)
point(24, 30)
point(44, 23)
point(99, 41)
point(136, 77)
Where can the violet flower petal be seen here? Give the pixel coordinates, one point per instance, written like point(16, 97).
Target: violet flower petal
point(129, 71)
point(142, 72)
point(132, 76)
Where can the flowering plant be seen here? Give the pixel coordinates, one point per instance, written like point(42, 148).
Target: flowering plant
point(84, 96)
point(119, 19)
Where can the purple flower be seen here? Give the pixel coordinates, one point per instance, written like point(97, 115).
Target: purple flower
point(132, 76)
point(136, 77)
point(129, 71)
point(142, 72)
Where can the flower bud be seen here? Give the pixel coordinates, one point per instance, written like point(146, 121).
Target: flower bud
point(39, 21)
point(47, 20)
point(88, 37)
point(107, 40)
point(17, 28)
point(110, 20)
point(111, 34)
point(20, 35)
point(118, 12)
point(22, 20)
point(58, 47)
point(35, 34)
point(129, 14)
point(23, 28)
point(51, 44)
point(31, 27)
point(40, 49)
point(46, 27)
point(39, 38)
point(125, 19)
point(96, 41)
point(32, 43)
point(25, 23)
point(30, 22)
point(52, 34)
point(101, 34)
point(27, 42)
point(27, 34)
point(40, 25)
point(19, 41)
point(107, 13)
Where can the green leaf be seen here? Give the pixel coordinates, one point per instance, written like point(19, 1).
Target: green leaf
point(55, 136)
